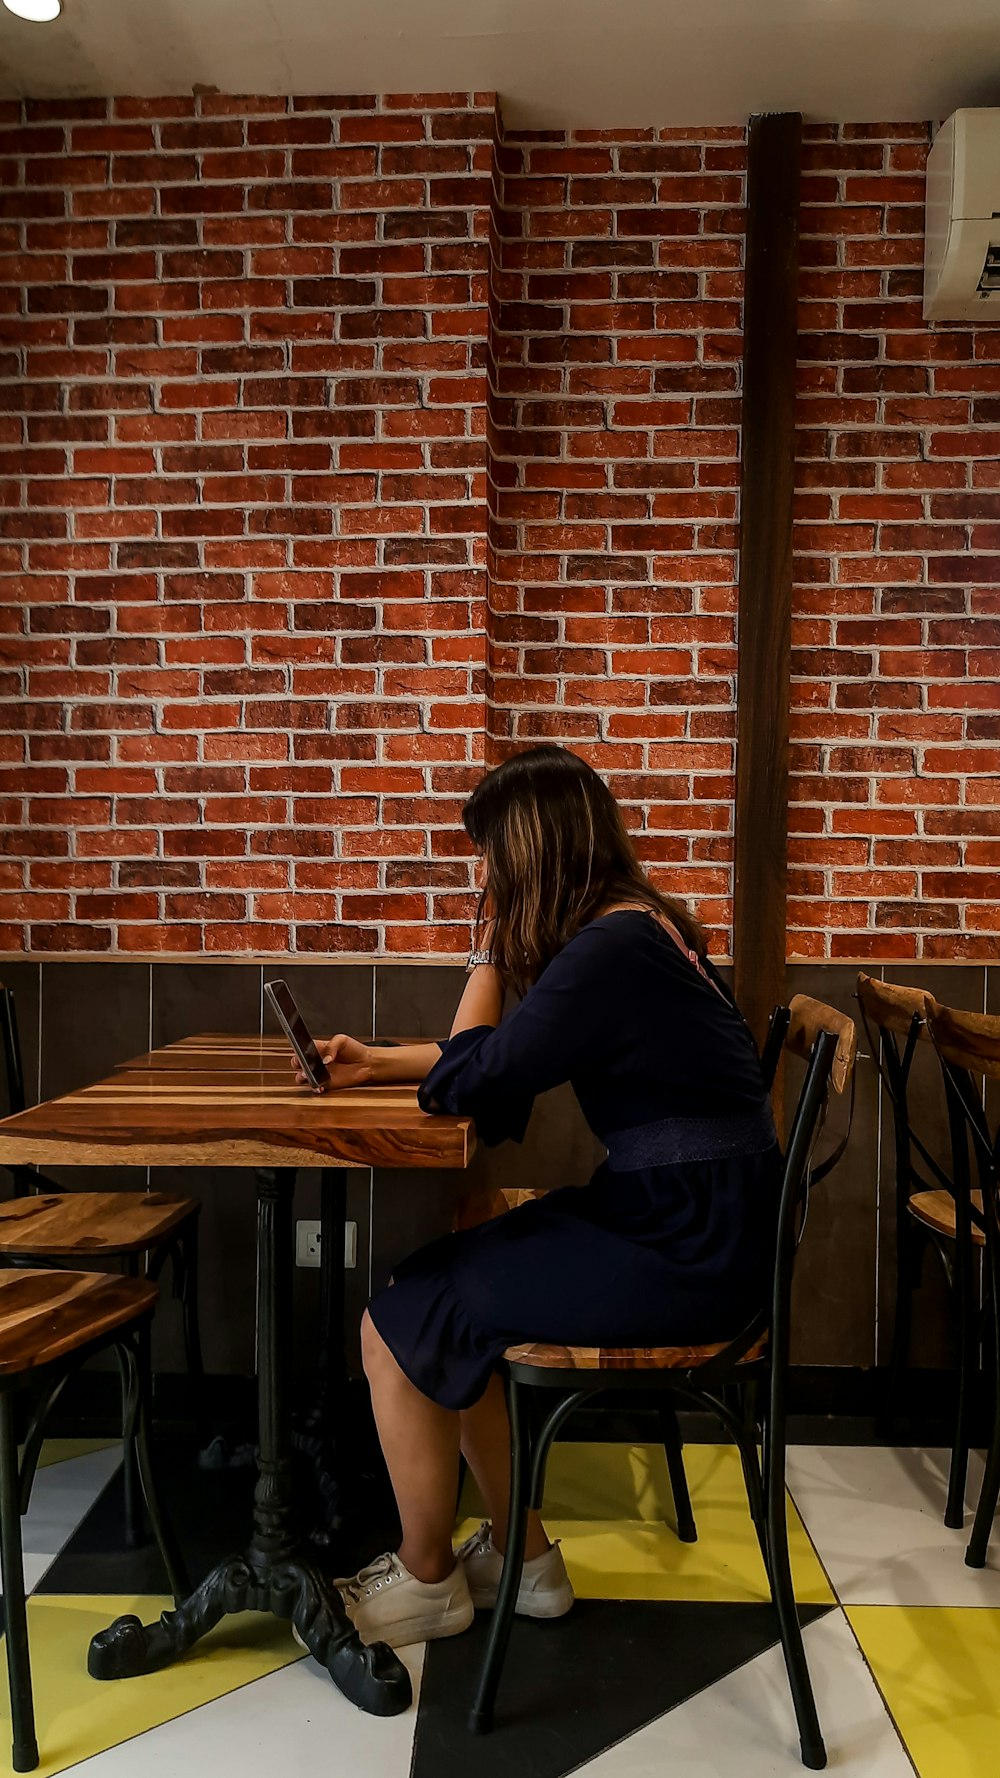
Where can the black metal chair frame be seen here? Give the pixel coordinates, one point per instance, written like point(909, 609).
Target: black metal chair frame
point(914, 1237)
point(180, 1248)
point(131, 1345)
point(670, 1432)
point(724, 1386)
point(967, 1120)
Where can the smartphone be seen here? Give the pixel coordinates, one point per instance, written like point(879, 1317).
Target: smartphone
point(297, 1031)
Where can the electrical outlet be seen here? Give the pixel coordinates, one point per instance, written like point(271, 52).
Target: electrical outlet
point(307, 1244)
point(307, 1238)
point(350, 1246)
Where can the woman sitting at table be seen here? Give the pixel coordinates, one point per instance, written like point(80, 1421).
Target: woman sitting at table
point(672, 1240)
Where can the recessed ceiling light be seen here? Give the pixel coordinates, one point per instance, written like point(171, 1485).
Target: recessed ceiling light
point(38, 11)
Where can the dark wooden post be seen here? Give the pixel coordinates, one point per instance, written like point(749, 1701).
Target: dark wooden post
point(765, 590)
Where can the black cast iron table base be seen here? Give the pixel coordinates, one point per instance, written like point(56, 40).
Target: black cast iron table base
point(372, 1678)
point(276, 1574)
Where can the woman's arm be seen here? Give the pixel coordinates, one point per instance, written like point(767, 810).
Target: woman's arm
point(353, 1064)
point(401, 1062)
point(482, 1001)
point(481, 1004)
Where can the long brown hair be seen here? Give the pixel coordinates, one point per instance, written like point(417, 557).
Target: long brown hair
point(556, 853)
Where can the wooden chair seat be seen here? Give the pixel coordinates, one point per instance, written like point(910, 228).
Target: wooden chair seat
point(623, 1358)
point(45, 1315)
point(936, 1210)
point(83, 1224)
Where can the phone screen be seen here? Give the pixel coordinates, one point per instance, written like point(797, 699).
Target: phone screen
point(298, 1033)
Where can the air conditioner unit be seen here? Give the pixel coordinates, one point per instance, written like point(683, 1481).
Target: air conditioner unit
point(962, 245)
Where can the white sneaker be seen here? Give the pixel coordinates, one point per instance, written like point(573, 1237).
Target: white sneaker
point(545, 1589)
point(386, 1603)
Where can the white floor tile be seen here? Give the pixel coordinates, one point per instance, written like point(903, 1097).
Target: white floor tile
point(34, 1568)
point(62, 1495)
point(876, 1517)
point(291, 1722)
point(744, 1724)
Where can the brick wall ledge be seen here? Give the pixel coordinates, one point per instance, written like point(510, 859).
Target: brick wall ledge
point(410, 957)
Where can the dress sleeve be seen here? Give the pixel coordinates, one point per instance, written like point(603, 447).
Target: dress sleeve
point(495, 1073)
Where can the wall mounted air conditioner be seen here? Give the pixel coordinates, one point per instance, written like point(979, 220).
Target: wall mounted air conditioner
point(962, 246)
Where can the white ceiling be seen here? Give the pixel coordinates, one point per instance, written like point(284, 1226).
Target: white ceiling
point(554, 62)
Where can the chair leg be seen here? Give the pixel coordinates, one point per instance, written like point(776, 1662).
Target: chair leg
point(24, 1752)
point(34, 1439)
point(989, 1493)
point(188, 1246)
point(481, 1716)
point(975, 1555)
point(673, 1449)
point(954, 1512)
point(754, 1481)
point(166, 1543)
point(136, 1534)
point(780, 1577)
point(463, 1470)
point(910, 1251)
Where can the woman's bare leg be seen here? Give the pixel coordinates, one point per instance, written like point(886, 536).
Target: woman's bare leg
point(485, 1438)
point(419, 1441)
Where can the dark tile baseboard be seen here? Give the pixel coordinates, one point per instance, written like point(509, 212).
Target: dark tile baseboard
point(78, 1018)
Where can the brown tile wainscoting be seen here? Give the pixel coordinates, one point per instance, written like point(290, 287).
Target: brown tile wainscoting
point(77, 1019)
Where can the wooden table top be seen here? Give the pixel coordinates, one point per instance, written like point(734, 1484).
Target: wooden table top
point(218, 1101)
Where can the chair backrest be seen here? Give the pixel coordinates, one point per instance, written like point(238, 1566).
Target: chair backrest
point(896, 1023)
point(827, 1041)
point(774, 1043)
point(968, 1047)
point(887, 1006)
point(808, 1020)
point(13, 1067)
point(969, 1040)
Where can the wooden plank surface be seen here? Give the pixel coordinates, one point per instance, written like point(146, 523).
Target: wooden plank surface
point(767, 485)
point(44, 1315)
point(87, 1225)
point(219, 1101)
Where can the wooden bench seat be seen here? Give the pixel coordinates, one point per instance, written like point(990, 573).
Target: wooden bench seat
point(936, 1210)
point(82, 1224)
point(623, 1358)
point(46, 1315)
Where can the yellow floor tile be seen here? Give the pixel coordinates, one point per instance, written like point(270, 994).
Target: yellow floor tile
point(611, 1505)
point(938, 1668)
point(78, 1716)
point(60, 1450)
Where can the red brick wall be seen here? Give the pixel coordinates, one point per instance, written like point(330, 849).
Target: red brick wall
point(896, 713)
point(281, 380)
point(618, 437)
point(242, 428)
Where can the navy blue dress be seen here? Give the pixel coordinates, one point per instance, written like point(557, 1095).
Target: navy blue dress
point(672, 1240)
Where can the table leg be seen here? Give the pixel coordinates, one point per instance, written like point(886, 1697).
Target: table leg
point(273, 1575)
point(316, 1439)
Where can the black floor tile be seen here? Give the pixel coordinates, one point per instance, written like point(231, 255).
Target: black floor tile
point(210, 1512)
point(573, 1688)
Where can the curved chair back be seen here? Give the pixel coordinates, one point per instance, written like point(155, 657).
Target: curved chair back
point(892, 1007)
point(13, 1069)
point(809, 1020)
point(969, 1040)
point(827, 1041)
point(896, 1021)
point(968, 1045)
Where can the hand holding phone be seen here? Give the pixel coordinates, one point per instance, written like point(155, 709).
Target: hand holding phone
point(314, 1069)
point(348, 1062)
